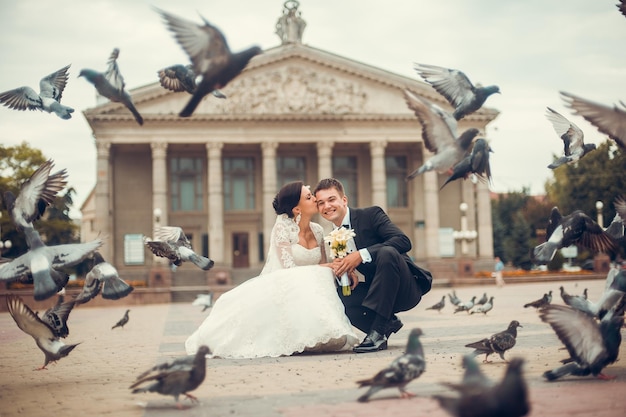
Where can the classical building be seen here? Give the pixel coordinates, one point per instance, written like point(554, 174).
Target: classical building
point(296, 112)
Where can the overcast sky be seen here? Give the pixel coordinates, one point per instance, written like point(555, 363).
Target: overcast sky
point(531, 49)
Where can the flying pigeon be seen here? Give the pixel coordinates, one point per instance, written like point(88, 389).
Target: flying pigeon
point(103, 277)
point(438, 306)
point(610, 297)
point(175, 378)
point(122, 322)
point(204, 300)
point(497, 343)
point(41, 261)
point(621, 6)
point(574, 146)
point(35, 195)
point(484, 308)
point(483, 299)
point(400, 372)
point(179, 78)
point(592, 346)
point(465, 306)
point(56, 317)
point(480, 397)
point(110, 84)
point(456, 88)
point(477, 163)
point(543, 301)
point(453, 298)
point(439, 133)
point(609, 120)
point(171, 243)
point(44, 335)
point(210, 55)
point(575, 229)
point(49, 97)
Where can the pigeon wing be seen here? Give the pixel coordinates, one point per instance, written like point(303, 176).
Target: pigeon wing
point(172, 234)
point(56, 318)
point(572, 136)
point(27, 320)
point(22, 98)
point(178, 78)
point(112, 73)
point(595, 238)
point(438, 127)
point(72, 253)
point(450, 83)
point(52, 86)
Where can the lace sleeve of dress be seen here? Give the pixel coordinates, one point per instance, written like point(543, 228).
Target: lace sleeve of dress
point(284, 236)
point(318, 231)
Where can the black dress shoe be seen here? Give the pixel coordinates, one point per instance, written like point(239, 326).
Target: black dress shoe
point(373, 342)
point(394, 326)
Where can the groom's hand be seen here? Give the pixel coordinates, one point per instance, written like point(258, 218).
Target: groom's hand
point(347, 264)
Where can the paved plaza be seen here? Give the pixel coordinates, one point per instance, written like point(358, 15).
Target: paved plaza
point(94, 379)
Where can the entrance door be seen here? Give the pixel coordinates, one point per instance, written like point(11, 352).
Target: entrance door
point(240, 250)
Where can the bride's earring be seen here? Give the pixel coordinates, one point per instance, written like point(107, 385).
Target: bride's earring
point(298, 217)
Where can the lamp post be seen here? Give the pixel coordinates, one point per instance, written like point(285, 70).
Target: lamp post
point(599, 206)
point(464, 235)
point(6, 244)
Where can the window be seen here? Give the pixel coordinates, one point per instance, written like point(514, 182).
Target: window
point(345, 170)
point(290, 168)
point(397, 194)
point(239, 184)
point(134, 249)
point(186, 184)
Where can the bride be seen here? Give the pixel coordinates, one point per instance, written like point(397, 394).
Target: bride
point(293, 305)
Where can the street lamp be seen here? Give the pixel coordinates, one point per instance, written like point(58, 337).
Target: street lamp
point(599, 206)
point(464, 235)
point(7, 244)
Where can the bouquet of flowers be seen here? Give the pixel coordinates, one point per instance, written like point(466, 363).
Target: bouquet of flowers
point(338, 241)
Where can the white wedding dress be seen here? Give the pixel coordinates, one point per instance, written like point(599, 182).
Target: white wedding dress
point(291, 307)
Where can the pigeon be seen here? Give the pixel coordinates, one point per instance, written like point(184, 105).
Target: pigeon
point(609, 120)
point(621, 6)
point(476, 163)
point(575, 229)
point(610, 297)
point(480, 397)
point(453, 298)
point(456, 88)
point(439, 133)
point(592, 346)
point(482, 299)
point(484, 308)
point(176, 377)
point(42, 262)
point(573, 140)
point(204, 300)
point(498, 343)
point(110, 84)
point(49, 98)
point(103, 277)
point(44, 335)
point(179, 78)
point(210, 55)
point(400, 372)
point(171, 243)
point(474, 380)
point(35, 195)
point(56, 317)
point(568, 298)
point(543, 301)
point(465, 306)
point(122, 322)
point(438, 306)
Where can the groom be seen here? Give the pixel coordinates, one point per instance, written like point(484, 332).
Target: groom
point(393, 283)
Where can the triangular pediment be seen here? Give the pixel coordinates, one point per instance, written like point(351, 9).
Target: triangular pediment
point(292, 80)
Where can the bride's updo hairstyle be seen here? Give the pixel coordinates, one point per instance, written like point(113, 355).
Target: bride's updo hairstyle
point(287, 198)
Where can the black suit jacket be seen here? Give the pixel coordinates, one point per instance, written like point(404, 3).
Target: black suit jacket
point(374, 230)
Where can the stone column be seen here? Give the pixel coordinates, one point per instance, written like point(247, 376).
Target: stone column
point(159, 182)
point(103, 222)
point(431, 214)
point(324, 160)
point(379, 174)
point(270, 187)
point(215, 201)
point(484, 227)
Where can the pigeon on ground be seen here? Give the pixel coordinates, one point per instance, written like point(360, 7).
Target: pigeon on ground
point(43, 262)
point(49, 97)
point(438, 306)
point(35, 195)
point(576, 228)
point(400, 372)
point(478, 397)
point(179, 78)
point(176, 377)
point(574, 146)
point(609, 120)
point(56, 317)
point(44, 335)
point(453, 298)
point(592, 346)
point(439, 133)
point(484, 308)
point(569, 298)
point(204, 300)
point(467, 306)
point(497, 343)
point(122, 322)
point(543, 301)
point(110, 84)
point(483, 299)
point(210, 55)
point(476, 163)
point(171, 243)
point(103, 277)
point(456, 88)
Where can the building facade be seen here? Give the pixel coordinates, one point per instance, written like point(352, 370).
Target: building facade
point(296, 112)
